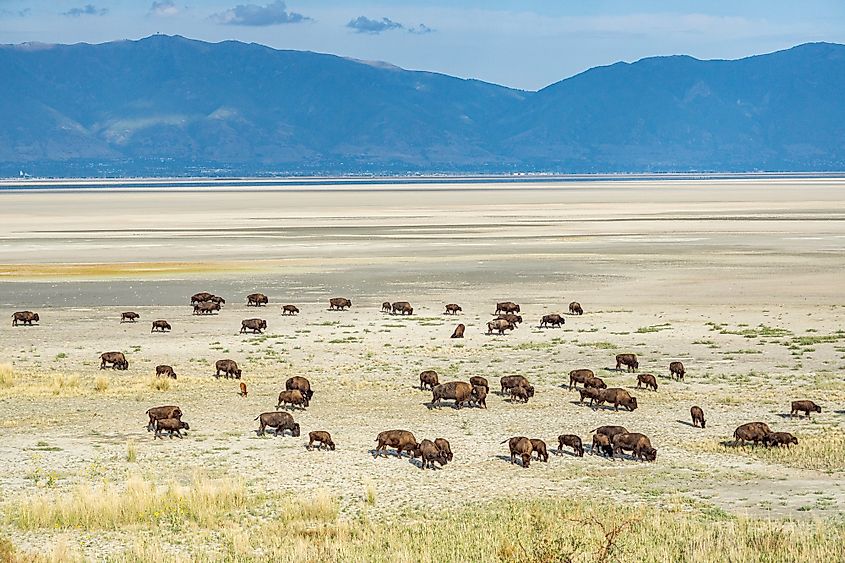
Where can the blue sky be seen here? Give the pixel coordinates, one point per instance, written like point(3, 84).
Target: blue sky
point(525, 44)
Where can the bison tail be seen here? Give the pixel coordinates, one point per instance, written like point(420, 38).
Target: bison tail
point(257, 417)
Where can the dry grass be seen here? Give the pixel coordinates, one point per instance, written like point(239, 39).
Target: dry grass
point(101, 383)
point(131, 451)
point(62, 383)
point(821, 452)
point(7, 375)
point(159, 383)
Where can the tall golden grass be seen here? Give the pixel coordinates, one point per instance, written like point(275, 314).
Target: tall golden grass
point(824, 451)
point(7, 375)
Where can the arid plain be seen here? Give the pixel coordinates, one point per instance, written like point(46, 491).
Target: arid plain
point(739, 278)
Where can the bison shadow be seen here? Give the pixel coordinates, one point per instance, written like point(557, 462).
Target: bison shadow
point(679, 421)
point(507, 458)
point(567, 452)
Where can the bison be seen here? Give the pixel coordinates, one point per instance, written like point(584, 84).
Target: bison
point(160, 413)
point(255, 325)
point(129, 317)
point(217, 300)
point(601, 443)
point(243, 392)
point(553, 320)
point(647, 380)
point(453, 308)
point(579, 376)
point(522, 447)
point(697, 415)
point(629, 360)
point(507, 307)
point(339, 303)
point(24, 317)
point(638, 444)
point(617, 396)
point(510, 381)
point(595, 383)
point(300, 383)
point(430, 453)
point(512, 318)
point(165, 371)
point(293, 397)
point(385, 307)
point(458, 391)
point(779, 439)
point(323, 438)
point(116, 359)
point(676, 369)
point(290, 310)
point(444, 446)
point(575, 308)
point(402, 307)
point(256, 300)
point(279, 421)
point(481, 381)
point(751, 432)
point(201, 297)
point(501, 325)
point(610, 431)
point(459, 331)
point(161, 326)
point(572, 441)
point(206, 308)
point(228, 367)
point(806, 406)
point(171, 425)
point(591, 393)
point(399, 439)
point(479, 397)
point(521, 392)
point(539, 447)
point(428, 378)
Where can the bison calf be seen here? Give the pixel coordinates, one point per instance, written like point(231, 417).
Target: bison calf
point(292, 397)
point(677, 369)
point(290, 310)
point(323, 438)
point(572, 441)
point(171, 426)
point(779, 439)
point(165, 371)
point(399, 439)
point(459, 331)
point(628, 360)
point(430, 453)
point(647, 380)
point(697, 415)
point(522, 447)
point(753, 432)
point(601, 443)
point(453, 308)
point(539, 447)
point(428, 379)
point(806, 406)
point(160, 326)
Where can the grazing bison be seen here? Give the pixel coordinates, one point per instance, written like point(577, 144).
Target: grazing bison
point(171, 426)
point(575, 308)
point(481, 381)
point(538, 446)
point(507, 307)
point(428, 378)
point(430, 453)
point(579, 376)
point(453, 308)
point(751, 432)
point(290, 310)
point(280, 421)
point(293, 397)
point(201, 297)
point(302, 384)
point(638, 444)
point(512, 318)
point(228, 367)
point(161, 326)
point(218, 300)
point(510, 381)
point(629, 360)
point(617, 396)
point(697, 416)
point(255, 325)
point(479, 397)
point(444, 446)
point(520, 446)
point(243, 390)
point(165, 371)
point(572, 441)
point(647, 380)
point(385, 307)
point(610, 431)
point(129, 317)
point(256, 300)
point(601, 443)
point(402, 307)
point(323, 438)
point(806, 406)
point(501, 325)
point(24, 317)
point(458, 391)
point(399, 439)
point(595, 383)
point(779, 439)
point(116, 359)
point(160, 413)
point(459, 331)
point(676, 369)
point(523, 393)
point(591, 393)
point(206, 308)
point(553, 320)
point(339, 303)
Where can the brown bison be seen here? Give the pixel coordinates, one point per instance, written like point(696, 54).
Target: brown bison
point(279, 421)
point(453, 308)
point(228, 367)
point(293, 397)
point(160, 326)
point(575, 308)
point(399, 439)
point(290, 310)
point(521, 393)
point(458, 391)
point(601, 443)
point(647, 380)
point(339, 303)
point(243, 392)
point(171, 426)
point(481, 381)
point(751, 432)
point(553, 320)
point(24, 317)
point(159, 413)
point(129, 317)
point(444, 446)
point(579, 376)
point(459, 331)
point(201, 297)
point(255, 325)
point(572, 441)
point(479, 397)
point(302, 384)
point(539, 447)
point(592, 393)
point(676, 369)
point(509, 381)
point(218, 300)
point(697, 415)
point(116, 359)
point(512, 318)
point(507, 307)
point(501, 325)
point(638, 444)
point(629, 360)
point(256, 300)
point(402, 307)
point(206, 308)
point(610, 431)
point(806, 406)
point(165, 371)
point(430, 453)
point(323, 438)
point(428, 378)
point(617, 396)
point(779, 439)
point(520, 446)
point(385, 307)
point(595, 383)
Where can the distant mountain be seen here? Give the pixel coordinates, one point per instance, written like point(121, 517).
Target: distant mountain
point(173, 106)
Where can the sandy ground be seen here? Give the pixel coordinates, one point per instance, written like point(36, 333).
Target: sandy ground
point(654, 264)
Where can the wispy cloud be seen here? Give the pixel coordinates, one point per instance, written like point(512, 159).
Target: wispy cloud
point(274, 13)
point(164, 8)
point(86, 10)
point(363, 24)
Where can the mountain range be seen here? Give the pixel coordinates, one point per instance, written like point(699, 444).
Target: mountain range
point(170, 106)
